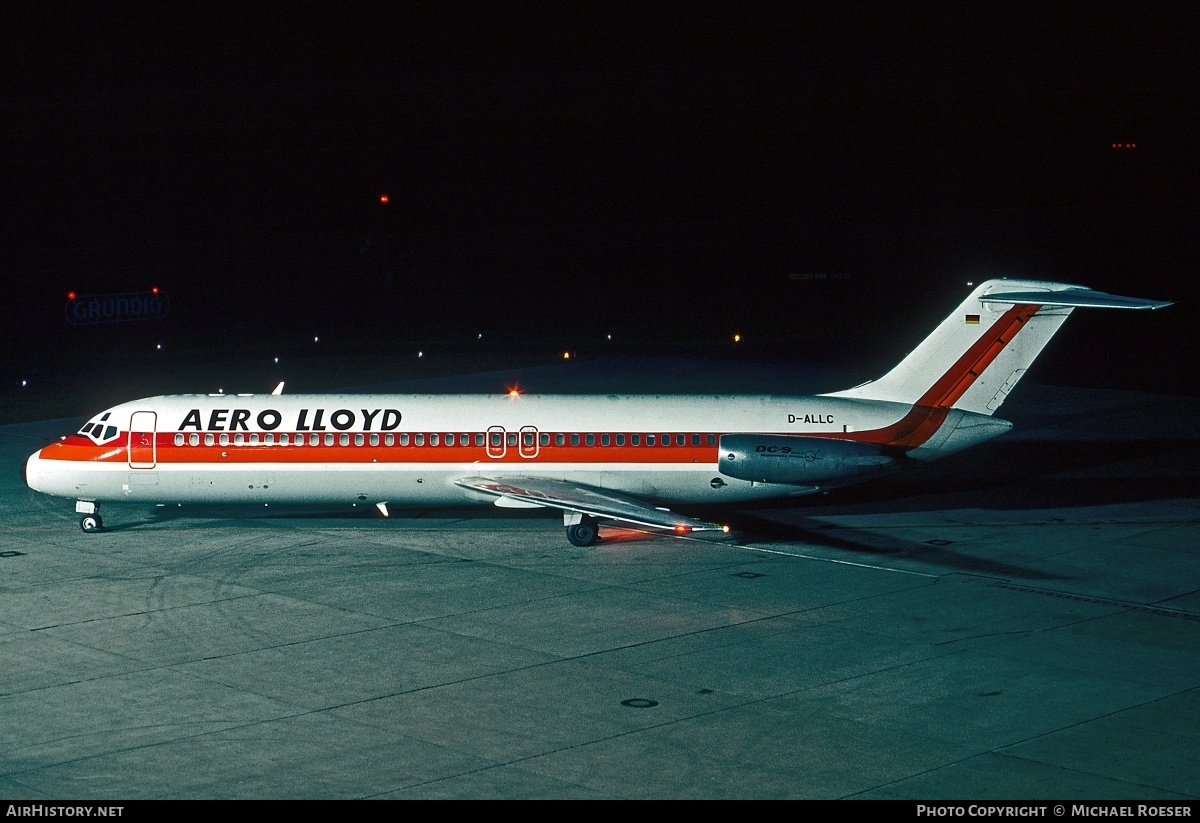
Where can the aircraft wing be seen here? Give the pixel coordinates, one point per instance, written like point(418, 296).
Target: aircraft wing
point(599, 503)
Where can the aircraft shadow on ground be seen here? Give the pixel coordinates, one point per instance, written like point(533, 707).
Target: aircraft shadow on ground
point(751, 528)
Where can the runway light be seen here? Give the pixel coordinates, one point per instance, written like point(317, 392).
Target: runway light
point(514, 391)
point(384, 199)
point(566, 355)
point(420, 354)
point(276, 359)
point(737, 338)
point(70, 295)
point(159, 347)
point(316, 340)
point(154, 289)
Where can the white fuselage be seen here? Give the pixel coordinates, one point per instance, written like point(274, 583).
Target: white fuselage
point(411, 449)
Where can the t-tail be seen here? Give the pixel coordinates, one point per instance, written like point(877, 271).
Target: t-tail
point(959, 375)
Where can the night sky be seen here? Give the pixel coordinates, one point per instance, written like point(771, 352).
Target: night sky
point(668, 171)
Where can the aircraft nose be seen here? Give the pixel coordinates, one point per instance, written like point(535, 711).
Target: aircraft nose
point(29, 471)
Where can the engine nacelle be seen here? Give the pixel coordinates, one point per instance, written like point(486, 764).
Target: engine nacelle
point(778, 458)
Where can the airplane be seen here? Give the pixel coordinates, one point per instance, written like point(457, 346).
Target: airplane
point(616, 459)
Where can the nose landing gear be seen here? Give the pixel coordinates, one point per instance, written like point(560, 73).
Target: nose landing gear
point(91, 521)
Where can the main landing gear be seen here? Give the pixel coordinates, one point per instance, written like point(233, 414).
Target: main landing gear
point(91, 521)
point(584, 532)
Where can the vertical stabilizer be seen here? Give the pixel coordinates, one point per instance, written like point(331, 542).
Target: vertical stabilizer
point(975, 357)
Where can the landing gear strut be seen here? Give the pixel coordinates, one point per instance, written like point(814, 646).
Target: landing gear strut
point(584, 533)
point(91, 521)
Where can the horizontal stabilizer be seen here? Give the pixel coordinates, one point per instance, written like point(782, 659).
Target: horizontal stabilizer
point(1075, 297)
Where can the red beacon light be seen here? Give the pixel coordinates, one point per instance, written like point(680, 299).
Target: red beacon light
point(384, 199)
point(1124, 145)
point(70, 295)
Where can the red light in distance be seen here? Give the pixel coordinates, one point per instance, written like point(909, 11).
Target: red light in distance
point(383, 198)
point(70, 295)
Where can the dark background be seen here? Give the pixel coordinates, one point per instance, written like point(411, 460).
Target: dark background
point(822, 178)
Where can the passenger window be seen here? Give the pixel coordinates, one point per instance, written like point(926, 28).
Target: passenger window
point(284, 439)
point(512, 438)
point(224, 439)
point(528, 438)
point(374, 440)
point(389, 439)
point(254, 439)
point(590, 439)
point(560, 439)
point(665, 440)
point(269, 439)
point(343, 440)
point(208, 439)
point(712, 440)
point(649, 440)
point(314, 440)
point(497, 439)
point(635, 439)
point(329, 439)
point(404, 439)
point(604, 440)
point(620, 440)
point(418, 439)
point(239, 439)
point(680, 440)
point(193, 439)
point(574, 440)
point(433, 439)
point(178, 439)
point(479, 439)
point(545, 439)
point(695, 440)
point(358, 439)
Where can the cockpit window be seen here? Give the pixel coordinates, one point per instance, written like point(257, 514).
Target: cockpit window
point(96, 430)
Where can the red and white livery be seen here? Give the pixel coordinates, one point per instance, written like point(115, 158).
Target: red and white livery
point(616, 458)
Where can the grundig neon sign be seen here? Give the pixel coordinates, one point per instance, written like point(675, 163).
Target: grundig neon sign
point(90, 309)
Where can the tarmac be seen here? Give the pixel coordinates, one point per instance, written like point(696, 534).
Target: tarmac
point(1018, 621)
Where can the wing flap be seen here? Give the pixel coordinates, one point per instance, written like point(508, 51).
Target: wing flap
point(599, 503)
